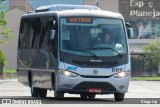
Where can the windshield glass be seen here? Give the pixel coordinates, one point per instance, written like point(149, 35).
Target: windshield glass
point(98, 37)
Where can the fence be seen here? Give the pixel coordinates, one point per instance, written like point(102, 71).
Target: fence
point(139, 68)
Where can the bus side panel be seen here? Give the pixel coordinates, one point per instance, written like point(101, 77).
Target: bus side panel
point(23, 77)
point(42, 79)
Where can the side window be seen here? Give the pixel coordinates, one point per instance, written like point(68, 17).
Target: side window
point(29, 33)
point(37, 31)
point(44, 36)
point(23, 33)
point(45, 28)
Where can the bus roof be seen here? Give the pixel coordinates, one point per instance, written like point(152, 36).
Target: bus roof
point(74, 10)
point(61, 7)
point(94, 13)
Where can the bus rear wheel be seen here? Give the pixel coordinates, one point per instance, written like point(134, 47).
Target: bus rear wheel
point(34, 91)
point(42, 93)
point(119, 96)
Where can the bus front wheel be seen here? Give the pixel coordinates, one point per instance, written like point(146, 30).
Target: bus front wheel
point(119, 96)
point(91, 95)
point(58, 94)
point(83, 95)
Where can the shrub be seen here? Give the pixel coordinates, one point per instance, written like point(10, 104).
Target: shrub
point(2, 58)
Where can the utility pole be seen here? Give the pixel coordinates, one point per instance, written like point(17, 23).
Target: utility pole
point(97, 3)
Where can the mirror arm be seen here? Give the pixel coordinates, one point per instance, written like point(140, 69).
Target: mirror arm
point(128, 25)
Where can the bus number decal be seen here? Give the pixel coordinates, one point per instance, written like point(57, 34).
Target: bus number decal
point(116, 69)
point(72, 68)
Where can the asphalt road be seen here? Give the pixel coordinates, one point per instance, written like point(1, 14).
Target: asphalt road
point(138, 91)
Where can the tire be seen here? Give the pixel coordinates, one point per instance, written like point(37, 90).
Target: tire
point(34, 91)
point(91, 95)
point(58, 95)
point(83, 96)
point(119, 96)
point(42, 93)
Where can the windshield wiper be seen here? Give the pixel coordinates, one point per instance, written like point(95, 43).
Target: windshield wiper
point(99, 48)
point(87, 51)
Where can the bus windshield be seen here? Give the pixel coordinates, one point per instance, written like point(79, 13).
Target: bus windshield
point(86, 36)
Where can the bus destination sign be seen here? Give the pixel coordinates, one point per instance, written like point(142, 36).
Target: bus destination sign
point(80, 20)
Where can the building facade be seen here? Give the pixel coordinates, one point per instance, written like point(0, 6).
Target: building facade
point(109, 5)
point(144, 16)
point(23, 5)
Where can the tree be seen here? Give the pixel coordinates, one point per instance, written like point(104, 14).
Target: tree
point(5, 35)
point(152, 53)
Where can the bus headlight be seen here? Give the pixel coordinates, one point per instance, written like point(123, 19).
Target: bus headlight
point(67, 73)
point(121, 74)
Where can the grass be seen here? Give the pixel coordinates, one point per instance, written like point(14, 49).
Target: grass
point(10, 71)
point(157, 78)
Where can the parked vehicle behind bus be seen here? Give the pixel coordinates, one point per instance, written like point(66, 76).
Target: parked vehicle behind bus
point(62, 48)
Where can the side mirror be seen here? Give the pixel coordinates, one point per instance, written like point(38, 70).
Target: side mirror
point(52, 34)
point(130, 33)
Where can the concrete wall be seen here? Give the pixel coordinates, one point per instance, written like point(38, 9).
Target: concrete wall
point(109, 5)
point(20, 4)
point(13, 17)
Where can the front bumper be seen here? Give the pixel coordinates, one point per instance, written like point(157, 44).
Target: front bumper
point(80, 84)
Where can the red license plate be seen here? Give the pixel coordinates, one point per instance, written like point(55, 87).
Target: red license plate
point(95, 90)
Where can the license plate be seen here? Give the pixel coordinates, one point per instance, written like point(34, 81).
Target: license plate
point(95, 90)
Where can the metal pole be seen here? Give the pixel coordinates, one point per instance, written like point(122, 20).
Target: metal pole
point(97, 3)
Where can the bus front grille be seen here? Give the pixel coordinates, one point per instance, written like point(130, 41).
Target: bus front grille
point(105, 86)
point(92, 64)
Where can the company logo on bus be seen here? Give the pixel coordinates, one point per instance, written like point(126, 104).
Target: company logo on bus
point(95, 71)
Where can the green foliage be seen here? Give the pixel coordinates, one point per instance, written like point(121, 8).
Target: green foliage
point(5, 33)
point(2, 58)
point(152, 53)
point(10, 71)
point(146, 78)
point(3, 21)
